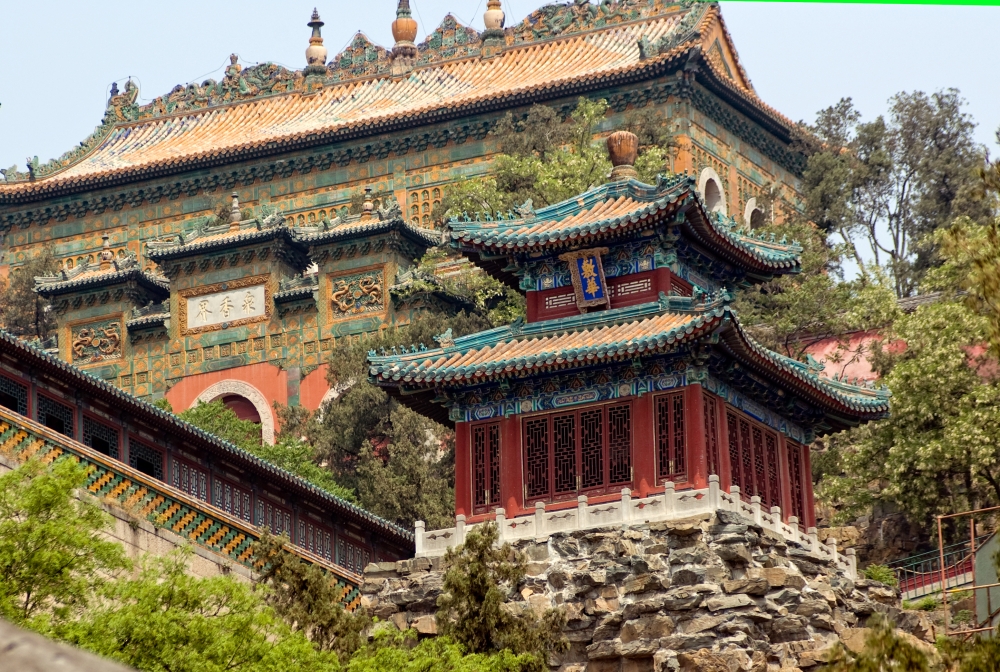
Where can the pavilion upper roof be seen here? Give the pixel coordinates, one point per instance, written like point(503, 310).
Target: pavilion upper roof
point(524, 350)
point(556, 51)
point(619, 209)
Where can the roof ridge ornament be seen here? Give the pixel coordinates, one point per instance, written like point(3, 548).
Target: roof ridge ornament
point(106, 256)
point(623, 150)
point(234, 214)
point(404, 31)
point(316, 52)
point(494, 20)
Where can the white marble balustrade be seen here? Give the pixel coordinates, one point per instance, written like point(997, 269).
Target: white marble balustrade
point(671, 505)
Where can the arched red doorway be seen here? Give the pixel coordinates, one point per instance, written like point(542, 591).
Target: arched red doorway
point(242, 407)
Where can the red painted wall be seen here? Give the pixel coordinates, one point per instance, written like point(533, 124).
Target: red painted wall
point(313, 388)
point(268, 378)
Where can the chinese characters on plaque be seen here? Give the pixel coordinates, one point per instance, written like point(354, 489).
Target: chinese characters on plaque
point(587, 274)
point(227, 306)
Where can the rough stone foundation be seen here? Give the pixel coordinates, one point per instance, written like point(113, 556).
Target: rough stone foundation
point(711, 592)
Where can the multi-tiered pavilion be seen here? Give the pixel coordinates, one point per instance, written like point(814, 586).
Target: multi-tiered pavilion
point(631, 373)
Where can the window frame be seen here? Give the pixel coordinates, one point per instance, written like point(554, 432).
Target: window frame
point(134, 438)
point(755, 463)
point(606, 485)
point(492, 473)
point(52, 399)
point(98, 420)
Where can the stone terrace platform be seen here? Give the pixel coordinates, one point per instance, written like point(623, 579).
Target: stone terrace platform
point(672, 504)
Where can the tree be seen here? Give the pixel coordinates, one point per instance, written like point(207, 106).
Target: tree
point(547, 160)
point(289, 453)
point(52, 554)
point(307, 598)
point(167, 620)
point(394, 651)
point(23, 311)
point(885, 651)
point(939, 451)
point(478, 580)
point(883, 186)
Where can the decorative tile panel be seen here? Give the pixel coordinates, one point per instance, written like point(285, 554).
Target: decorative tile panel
point(357, 294)
point(96, 341)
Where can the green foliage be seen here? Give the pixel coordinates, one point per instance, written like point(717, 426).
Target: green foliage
point(885, 651)
point(884, 186)
point(307, 598)
point(547, 160)
point(394, 651)
point(963, 617)
point(166, 620)
point(52, 554)
point(882, 574)
point(289, 453)
point(218, 419)
point(928, 603)
point(939, 451)
point(478, 580)
point(23, 312)
point(400, 464)
point(499, 303)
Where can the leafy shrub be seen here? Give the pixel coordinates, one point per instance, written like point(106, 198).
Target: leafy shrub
point(882, 574)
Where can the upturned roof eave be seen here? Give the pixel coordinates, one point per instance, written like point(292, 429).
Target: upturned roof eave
point(160, 287)
point(836, 404)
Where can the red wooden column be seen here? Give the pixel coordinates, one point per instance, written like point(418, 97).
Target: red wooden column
point(463, 469)
point(532, 299)
point(511, 473)
point(784, 471)
point(725, 466)
point(644, 442)
point(809, 507)
point(694, 426)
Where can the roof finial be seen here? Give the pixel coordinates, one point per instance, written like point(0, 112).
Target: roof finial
point(623, 148)
point(494, 20)
point(404, 30)
point(234, 214)
point(106, 256)
point(368, 206)
point(316, 53)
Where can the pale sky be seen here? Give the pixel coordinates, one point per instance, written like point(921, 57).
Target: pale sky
point(58, 58)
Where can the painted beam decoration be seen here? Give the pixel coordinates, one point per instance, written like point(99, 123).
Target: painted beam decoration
point(225, 305)
point(587, 274)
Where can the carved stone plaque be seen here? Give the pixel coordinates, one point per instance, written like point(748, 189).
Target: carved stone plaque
point(225, 305)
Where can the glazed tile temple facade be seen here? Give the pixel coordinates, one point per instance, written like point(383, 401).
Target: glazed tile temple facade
point(631, 384)
point(162, 299)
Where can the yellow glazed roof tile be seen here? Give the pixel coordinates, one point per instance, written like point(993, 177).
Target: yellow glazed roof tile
point(172, 132)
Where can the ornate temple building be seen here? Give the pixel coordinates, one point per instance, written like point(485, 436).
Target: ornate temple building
point(630, 392)
point(162, 296)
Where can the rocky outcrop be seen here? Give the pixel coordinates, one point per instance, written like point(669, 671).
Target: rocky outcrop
point(711, 592)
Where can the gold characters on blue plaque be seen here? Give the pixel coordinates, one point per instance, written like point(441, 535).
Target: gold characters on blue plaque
point(588, 277)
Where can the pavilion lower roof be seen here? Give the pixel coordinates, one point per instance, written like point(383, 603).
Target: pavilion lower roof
point(655, 328)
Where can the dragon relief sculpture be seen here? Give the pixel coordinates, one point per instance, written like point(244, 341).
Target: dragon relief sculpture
point(358, 294)
point(95, 343)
